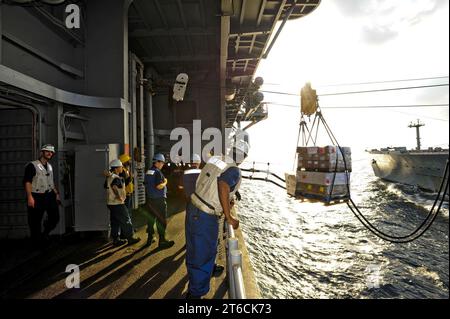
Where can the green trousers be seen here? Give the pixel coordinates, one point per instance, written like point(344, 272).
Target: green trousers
point(157, 214)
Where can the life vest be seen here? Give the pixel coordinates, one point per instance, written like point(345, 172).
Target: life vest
point(151, 183)
point(43, 180)
point(206, 195)
point(189, 180)
point(111, 196)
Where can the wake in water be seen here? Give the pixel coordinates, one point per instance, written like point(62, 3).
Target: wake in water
point(417, 196)
point(304, 250)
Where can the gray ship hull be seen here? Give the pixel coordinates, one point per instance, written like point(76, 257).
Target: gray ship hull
point(422, 169)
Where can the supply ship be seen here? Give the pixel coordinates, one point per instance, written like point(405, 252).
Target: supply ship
point(423, 168)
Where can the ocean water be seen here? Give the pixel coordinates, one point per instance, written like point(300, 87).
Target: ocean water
point(308, 250)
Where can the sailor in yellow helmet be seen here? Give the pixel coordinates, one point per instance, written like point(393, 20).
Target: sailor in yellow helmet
point(121, 225)
point(128, 177)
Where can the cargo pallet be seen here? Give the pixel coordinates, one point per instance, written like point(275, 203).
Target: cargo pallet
point(327, 200)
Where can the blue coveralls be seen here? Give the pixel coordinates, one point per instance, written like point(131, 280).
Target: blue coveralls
point(156, 203)
point(202, 231)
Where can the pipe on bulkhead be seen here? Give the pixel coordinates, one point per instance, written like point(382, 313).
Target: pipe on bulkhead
point(150, 145)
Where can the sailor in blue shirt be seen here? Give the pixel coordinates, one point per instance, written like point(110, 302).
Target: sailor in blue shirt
point(156, 193)
point(215, 187)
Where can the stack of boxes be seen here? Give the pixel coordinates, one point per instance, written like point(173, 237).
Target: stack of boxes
point(316, 177)
point(323, 159)
point(292, 183)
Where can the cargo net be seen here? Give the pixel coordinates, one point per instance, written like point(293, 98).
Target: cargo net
point(323, 173)
point(139, 185)
point(320, 173)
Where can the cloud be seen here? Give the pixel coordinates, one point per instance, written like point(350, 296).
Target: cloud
point(434, 5)
point(378, 34)
point(384, 20)
point(435, 95)
point(358, 8)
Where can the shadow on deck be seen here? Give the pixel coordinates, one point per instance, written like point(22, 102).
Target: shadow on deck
point(106, 271)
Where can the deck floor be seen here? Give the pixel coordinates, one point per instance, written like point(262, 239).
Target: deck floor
point(108, 272)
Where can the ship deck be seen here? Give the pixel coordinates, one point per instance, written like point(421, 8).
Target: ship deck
point(108, 272)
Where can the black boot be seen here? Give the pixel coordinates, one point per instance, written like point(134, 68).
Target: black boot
point(119, 242)
point(133, 240)
point(217, 270)
point(163, 243)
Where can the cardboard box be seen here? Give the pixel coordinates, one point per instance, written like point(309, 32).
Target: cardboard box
point(321, 190)
point(329, 149)
point(292, 183)
point(303, 150)
point(330, 165)
point(324, 166)
point(324, 160)
point(323, 178)
point(333, 149)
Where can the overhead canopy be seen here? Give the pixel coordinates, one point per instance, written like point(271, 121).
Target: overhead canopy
point(175, 36)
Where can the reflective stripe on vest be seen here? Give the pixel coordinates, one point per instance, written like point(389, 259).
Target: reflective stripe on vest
point(206, 196)
point(43, 180)
point(111, 196)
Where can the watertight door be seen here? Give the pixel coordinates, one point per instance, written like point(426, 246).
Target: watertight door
point(17, 148)
point(91, 213)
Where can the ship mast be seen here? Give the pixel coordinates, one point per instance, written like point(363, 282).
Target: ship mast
point(417, 126)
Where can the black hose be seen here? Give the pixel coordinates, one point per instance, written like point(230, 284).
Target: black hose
point(406, 239)
point(372, 228)
point(264, 180)
point(261, 171)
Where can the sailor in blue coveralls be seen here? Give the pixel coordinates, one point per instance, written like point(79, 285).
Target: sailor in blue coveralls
point(189, 180)
point(216, 185)
point(156, 192)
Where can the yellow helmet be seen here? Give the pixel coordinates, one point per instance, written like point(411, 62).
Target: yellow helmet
point(124, 158)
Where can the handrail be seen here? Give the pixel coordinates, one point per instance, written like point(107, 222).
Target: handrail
point(234, 266)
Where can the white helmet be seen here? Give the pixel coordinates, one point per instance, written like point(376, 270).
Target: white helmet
point(115, 163)
point(242, 147)
point(196, 158)
point(48, 147)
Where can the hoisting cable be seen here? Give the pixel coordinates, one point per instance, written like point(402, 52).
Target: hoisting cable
point(394, 239)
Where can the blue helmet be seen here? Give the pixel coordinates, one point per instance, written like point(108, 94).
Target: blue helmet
point(159, 157)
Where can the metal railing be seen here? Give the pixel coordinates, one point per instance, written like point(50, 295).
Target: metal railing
point(234, 266)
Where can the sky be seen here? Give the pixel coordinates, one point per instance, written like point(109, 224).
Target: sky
point(357, 41)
